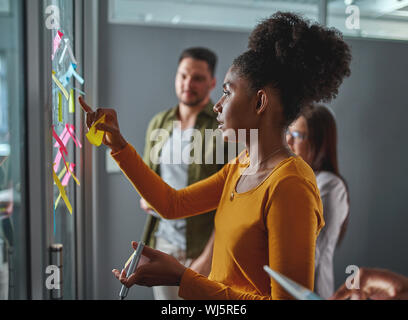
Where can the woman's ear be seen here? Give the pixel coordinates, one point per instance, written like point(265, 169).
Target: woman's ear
point(262, 101)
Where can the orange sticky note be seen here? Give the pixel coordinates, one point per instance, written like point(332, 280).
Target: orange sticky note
point(94, 136)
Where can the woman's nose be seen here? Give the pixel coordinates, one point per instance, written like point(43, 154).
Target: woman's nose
point(289, 140)
point(218, 107)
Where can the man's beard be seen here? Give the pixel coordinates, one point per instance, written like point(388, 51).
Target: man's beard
point(193, 103)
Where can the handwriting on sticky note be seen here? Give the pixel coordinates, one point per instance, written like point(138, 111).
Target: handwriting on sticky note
point(95, 136)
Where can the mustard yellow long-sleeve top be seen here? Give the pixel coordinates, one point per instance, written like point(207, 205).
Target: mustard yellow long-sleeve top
point(274, 224)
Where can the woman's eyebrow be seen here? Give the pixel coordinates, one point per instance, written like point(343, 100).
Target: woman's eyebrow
point(226, 85)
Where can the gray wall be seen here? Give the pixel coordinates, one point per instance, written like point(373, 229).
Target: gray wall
point(137, 69)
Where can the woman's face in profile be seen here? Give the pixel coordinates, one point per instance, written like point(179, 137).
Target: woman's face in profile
point(236, 107)
point(297, 139)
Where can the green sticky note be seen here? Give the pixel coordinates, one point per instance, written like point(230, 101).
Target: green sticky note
point(59, 107)
point(72, 102)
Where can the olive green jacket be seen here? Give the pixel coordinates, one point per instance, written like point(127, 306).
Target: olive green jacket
point(198, 228)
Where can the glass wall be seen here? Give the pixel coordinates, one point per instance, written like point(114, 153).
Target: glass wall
point(13, 182)
point(65, 69)
point(382, 19)
point(385, 19)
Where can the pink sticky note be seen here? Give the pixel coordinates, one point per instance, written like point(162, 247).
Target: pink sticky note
point(61, 152)
point(71, 131)
point(62, 138)
point(68, 175)
point(57, 43)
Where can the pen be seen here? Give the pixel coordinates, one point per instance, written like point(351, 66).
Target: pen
point(296, 290)
point(135, 261)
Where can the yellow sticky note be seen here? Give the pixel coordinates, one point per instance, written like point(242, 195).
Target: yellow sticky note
point(59, 85)
point(72, 102)
point(59, 107)
point(96, 136)
point(61, 174)
point(57, 201)
point(62, 191)
point(73, 175)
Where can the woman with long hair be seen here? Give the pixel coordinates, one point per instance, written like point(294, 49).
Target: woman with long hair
point(268, 207)
point(313, 136)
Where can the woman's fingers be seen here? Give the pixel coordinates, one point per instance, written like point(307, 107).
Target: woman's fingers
point(147, 251)
point(121, 276)
point(90, 115)
point(106, 127)
point(116, 272)
point(84, 106)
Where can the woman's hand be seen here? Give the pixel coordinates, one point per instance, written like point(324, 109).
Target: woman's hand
point(146, 207)
point(161, 270)
point(375, 284)
point(112, 137)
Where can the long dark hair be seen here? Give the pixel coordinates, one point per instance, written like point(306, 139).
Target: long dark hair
point(322, 137)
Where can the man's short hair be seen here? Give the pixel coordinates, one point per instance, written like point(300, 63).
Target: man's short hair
point(203, 54)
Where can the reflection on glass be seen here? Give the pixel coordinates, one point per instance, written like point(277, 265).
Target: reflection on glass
point(385, 19)
point(240, 15)
point(63, 228)
point(13, 253)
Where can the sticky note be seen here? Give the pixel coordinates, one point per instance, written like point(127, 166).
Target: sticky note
point(59, 107)
point(71, 131)
point(69, 49)
point(68, 175)
point(60, 86)
point(71, 102)
point(68, 75)
point(56, 43)
point(94, 136)
point(80, 92)
point(61, 144)
point(77, 76)
point(62, 173)
point(72, 174)
point(63, 139)
point(62, 192)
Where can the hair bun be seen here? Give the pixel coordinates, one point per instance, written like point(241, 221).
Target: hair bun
point(305, 61)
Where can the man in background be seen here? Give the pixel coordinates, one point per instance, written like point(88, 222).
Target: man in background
point(188, 240)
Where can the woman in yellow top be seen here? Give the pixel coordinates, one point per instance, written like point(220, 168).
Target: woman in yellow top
point(268, 206)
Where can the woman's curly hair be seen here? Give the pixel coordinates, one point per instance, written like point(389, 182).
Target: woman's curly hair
point(305, 62)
